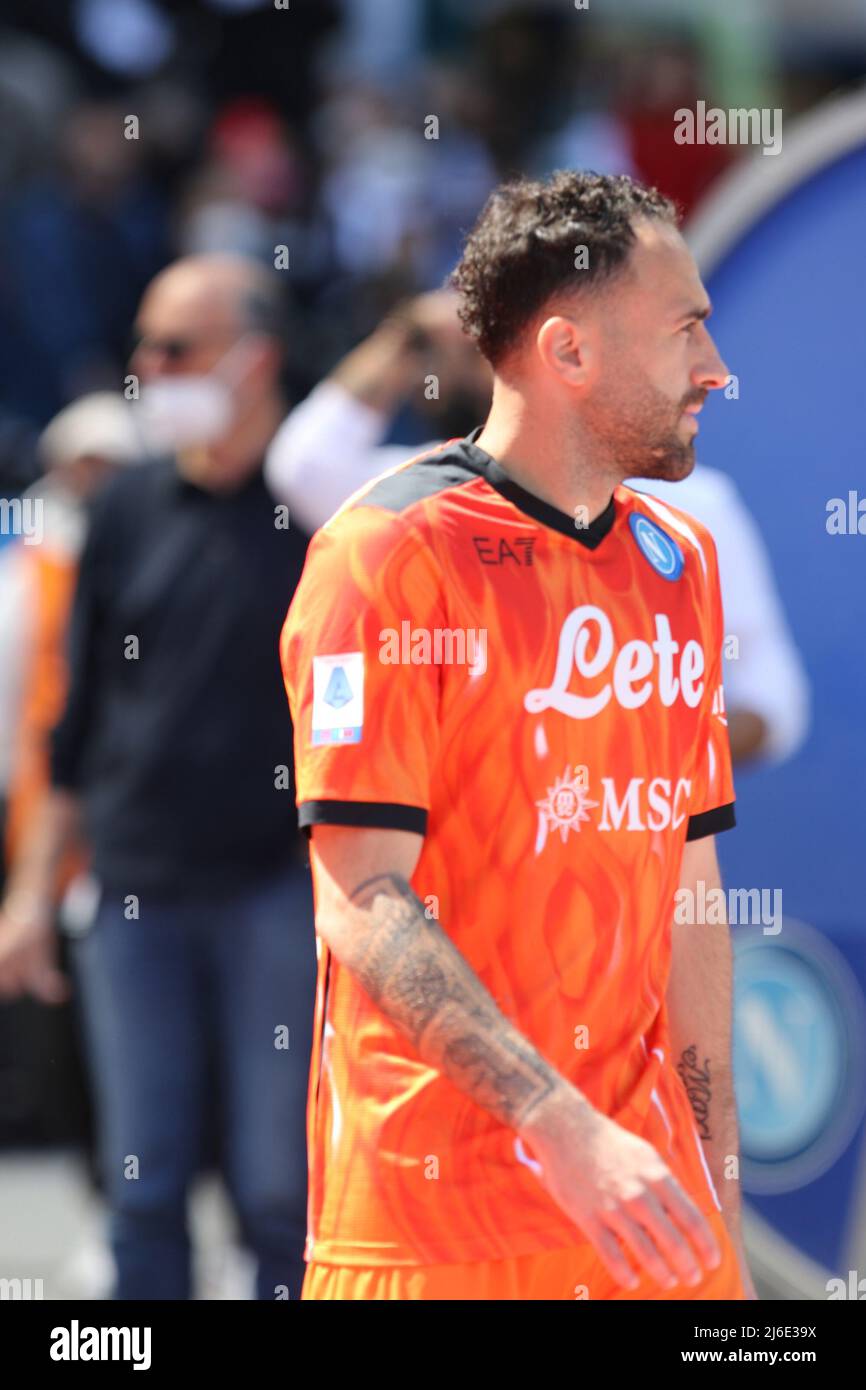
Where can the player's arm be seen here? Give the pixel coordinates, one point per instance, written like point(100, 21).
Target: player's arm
point(699, 1012)
point(612, 1184)
point(329, 445)
point(28, 941)
point(747, 731)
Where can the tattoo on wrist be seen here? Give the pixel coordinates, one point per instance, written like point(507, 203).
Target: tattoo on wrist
point(697, 1083)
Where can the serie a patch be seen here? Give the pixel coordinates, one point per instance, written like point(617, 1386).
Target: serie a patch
point(338, 698)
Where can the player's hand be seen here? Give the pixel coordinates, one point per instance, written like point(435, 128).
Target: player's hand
point(28, 955)
point(617, 1189)
point(435, 314)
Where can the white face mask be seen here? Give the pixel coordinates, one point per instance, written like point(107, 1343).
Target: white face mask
point(178, 412)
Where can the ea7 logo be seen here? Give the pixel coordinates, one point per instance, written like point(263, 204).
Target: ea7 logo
point(498, 551)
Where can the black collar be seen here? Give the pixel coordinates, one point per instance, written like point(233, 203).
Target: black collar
point(591, 536)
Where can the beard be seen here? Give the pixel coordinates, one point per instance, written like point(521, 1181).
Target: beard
point(671, 461)
point(642, 435)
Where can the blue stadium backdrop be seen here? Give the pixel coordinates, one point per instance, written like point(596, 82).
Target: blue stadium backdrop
point(782, 251)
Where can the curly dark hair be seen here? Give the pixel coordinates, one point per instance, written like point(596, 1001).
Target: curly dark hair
point(523, 248)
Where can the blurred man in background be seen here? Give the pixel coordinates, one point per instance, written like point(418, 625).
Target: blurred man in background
point(173, 757)
point(81, 449)
point(43, 1091)
point(333, 443)
point(767, 690)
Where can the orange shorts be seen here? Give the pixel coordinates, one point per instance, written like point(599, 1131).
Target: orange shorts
point(552, 1275)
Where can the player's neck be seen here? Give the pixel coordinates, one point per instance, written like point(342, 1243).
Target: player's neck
point(549, 463)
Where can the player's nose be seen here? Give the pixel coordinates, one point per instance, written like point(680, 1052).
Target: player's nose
point(711, 372)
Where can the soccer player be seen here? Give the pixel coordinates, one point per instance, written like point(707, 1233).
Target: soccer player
point(504, 670)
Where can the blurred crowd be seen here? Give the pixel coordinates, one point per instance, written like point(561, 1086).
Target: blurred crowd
point(360, 135)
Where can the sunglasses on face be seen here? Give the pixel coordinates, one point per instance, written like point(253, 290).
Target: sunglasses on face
point(175, 349)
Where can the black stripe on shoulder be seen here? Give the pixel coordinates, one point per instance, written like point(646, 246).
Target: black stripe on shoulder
point(711, 822)
point(425, 477)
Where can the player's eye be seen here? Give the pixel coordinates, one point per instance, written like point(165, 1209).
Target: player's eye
point(689, 326)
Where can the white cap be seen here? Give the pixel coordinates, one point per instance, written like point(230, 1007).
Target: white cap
point(101, 423)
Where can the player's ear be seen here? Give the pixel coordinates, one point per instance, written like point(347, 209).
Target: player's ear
point(562, 347)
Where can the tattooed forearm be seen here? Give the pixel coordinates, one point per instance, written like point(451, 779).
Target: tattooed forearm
point(417, 977)
point(697, 1084)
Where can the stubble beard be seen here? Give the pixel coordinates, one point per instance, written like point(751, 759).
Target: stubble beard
point(669, 462)
point(643, 444)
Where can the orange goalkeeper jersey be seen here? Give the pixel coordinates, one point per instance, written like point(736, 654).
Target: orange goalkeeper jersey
point(543, 703)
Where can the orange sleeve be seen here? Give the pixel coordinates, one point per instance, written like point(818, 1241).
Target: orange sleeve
point(52, 579)
point(362, 685)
